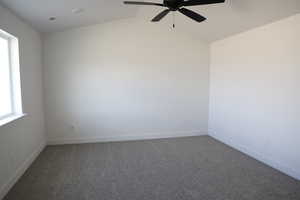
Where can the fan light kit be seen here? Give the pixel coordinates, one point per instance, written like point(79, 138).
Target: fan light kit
point(177, 5)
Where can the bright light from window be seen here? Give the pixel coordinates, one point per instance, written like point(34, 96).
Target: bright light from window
point(5, 85)
point(10, 89)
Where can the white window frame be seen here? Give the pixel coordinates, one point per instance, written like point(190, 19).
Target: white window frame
point(15, 83)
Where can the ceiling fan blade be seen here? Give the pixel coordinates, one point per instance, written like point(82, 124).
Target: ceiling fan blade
point(161, 15)
point(192, 14)
point(200, 2)
point(143, 3)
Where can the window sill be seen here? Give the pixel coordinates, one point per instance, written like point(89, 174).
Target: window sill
point(10, 119)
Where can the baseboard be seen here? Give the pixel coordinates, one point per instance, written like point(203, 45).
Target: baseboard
point(258, 156)
point(20, 171)
point(127, 137)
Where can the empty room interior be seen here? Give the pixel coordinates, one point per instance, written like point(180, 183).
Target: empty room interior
point(150, 100)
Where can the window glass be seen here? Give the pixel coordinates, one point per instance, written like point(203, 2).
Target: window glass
point(5, 79)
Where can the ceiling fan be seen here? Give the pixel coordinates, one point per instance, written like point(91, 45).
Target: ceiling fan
point(177, 5)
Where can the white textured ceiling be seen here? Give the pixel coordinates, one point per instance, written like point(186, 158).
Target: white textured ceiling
point(38, 12)
point(226, 19)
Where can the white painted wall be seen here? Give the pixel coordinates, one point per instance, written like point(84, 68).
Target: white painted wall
point(21, 140)
point(124, 80)
point(255, 96)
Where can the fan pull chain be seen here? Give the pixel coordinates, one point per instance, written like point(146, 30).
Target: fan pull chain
point(173, 19)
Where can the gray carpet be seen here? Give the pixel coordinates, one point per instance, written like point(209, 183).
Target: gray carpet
point(195, 168)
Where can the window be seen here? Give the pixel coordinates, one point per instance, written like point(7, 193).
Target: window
point(10, 90)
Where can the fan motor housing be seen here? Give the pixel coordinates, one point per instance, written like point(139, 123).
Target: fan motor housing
point(173, 5)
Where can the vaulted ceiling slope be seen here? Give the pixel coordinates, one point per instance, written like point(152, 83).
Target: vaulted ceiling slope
point(224, 20)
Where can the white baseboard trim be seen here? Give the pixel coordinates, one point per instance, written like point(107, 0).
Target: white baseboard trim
point(258, 156)
point(126, 137)
point(20, 171)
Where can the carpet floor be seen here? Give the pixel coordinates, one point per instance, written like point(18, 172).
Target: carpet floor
point(194, 168)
